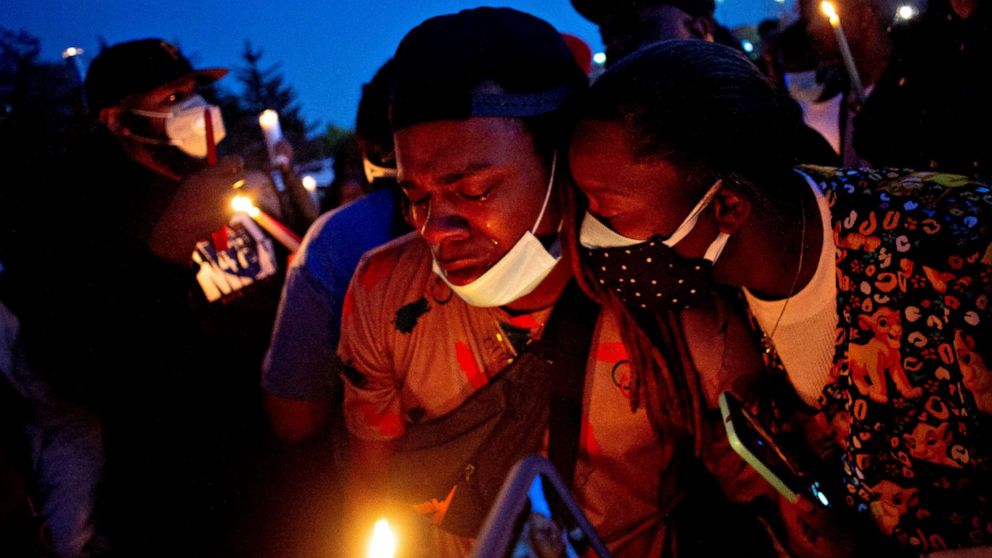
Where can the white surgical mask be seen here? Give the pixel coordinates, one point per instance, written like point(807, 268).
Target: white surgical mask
point(186, 127)
point(517, 273)
point(594, 234)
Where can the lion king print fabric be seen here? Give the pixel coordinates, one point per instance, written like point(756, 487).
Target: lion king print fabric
point(911, 392)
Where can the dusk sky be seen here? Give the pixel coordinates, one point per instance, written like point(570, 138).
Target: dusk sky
point(327, 48)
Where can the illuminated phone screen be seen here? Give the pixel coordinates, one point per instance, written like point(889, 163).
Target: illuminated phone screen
point(753, 443)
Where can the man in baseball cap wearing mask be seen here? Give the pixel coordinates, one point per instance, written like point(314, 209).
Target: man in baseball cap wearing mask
point(150, 303)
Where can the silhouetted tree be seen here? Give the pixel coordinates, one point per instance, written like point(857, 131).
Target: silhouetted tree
point(263, 88)
point(39, 110)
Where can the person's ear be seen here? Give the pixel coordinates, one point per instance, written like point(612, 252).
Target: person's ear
point(732, 210)
point(110, 117)
point(701, 28)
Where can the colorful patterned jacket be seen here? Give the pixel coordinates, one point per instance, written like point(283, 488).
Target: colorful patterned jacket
point(911, 391)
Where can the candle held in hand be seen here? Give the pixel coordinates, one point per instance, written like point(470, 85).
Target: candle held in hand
point(275, 229)
point(828, 10)
point(269, 121)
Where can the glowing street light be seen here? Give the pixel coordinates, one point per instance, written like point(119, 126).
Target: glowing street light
point(71, 51)
point(906, 12)
point(599, 58)
point(72, 56)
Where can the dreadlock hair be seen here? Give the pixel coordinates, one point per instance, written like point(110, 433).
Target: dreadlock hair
point(663, 379)
point(707, 110)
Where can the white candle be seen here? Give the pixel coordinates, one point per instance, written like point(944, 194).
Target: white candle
point(276, 229)
point(269, 121)
point(845, 50)
point(310, 185)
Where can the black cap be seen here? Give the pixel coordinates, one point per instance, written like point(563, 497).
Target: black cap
point(441, 64)
point(372, 129)
point(136, 67)
point(597, 10)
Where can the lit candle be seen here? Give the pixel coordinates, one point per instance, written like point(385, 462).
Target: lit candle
point(310, 185)
point(269, 121)
point(845, 50)
point(276, 229)
point(383, 543)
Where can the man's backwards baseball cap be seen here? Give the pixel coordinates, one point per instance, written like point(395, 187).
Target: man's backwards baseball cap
point(137, 67)
point(447, 66)
point(596, 11)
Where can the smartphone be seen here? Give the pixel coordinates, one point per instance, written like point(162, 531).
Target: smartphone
point(535, 516)
point(757, 447)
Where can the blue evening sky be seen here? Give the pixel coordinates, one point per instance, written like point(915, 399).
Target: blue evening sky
point(327, 48)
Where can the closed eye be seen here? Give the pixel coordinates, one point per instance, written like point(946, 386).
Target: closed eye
point(483, 196)
point(419, 201)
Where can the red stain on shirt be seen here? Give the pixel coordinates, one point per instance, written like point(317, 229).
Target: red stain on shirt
point(376, 270)
point(610, 352)
point(466, 361)
point(348, 306)
point(587, 438)
point(384, 422)
point(525, 321)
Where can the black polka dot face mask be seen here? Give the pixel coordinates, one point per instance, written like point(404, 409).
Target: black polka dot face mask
point(648, 274)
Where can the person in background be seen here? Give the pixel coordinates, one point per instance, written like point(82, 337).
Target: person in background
point(817, 87)
point(61, 452)
point(869, 289)
point(437, 324)
point(152, 302)
point(866, 25)
point(349, 182)
point(301, 390)
point(628, 25)
point(930, 109)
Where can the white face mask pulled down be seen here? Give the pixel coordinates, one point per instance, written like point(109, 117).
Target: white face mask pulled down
point(518, 272)
point(185, 125)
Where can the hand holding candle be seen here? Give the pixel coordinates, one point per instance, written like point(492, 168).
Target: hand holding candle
point(830, 12)
point(200, 205)
point(276, 229)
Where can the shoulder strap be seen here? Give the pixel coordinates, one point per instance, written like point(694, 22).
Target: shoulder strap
point(567, 341)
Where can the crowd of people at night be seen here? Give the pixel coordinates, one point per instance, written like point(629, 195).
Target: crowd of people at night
point(523, 252)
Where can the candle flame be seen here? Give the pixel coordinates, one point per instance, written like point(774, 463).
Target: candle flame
point(310, 183)
point(828, 10)
point(268, 119)
point(383, 543)
point(244, 205)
